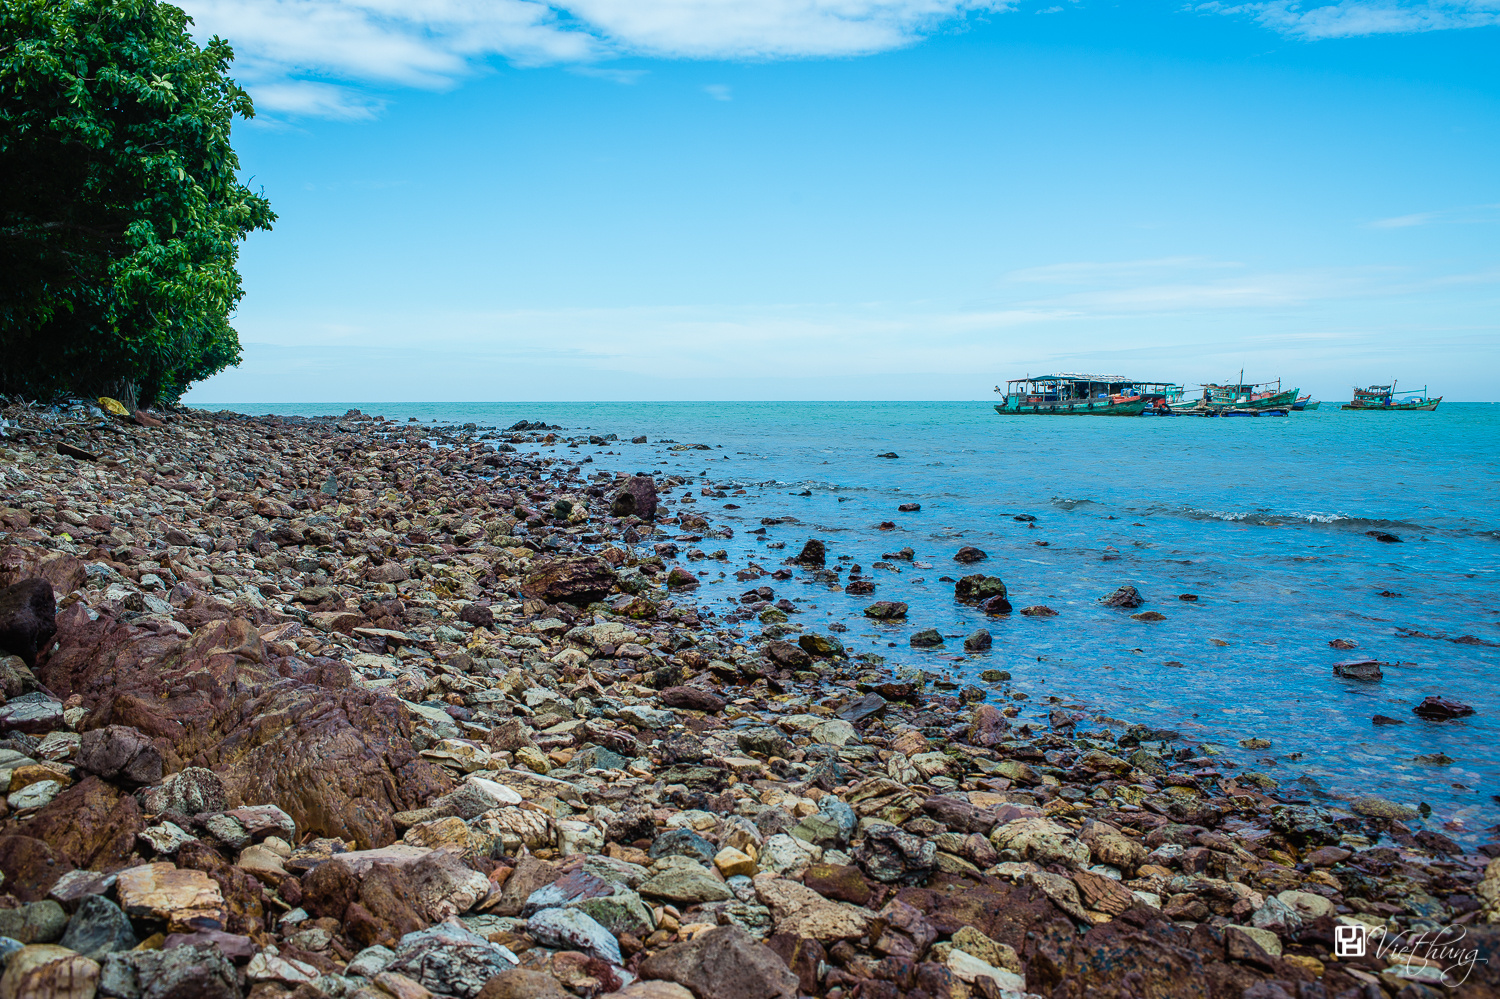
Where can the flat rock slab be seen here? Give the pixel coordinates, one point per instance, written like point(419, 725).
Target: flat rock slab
point(186, 900)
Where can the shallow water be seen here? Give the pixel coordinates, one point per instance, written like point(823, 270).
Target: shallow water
point(1264, 519)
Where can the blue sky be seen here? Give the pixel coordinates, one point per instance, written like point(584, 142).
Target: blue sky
point(862, 199)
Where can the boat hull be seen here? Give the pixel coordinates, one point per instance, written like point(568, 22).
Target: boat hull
point(1425, 407)
point(1132, 408)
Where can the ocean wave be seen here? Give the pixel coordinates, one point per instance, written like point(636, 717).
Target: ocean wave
point(1272, 518)
point(1069, 504)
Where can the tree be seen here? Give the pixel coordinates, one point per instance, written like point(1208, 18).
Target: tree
point(121, 211)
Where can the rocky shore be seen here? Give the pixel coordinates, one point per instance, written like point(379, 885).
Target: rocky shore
point(371, 710)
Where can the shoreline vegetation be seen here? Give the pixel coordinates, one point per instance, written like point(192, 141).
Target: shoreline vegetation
point(347, 707)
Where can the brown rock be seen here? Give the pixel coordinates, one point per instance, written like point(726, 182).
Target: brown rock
point(579, 581)
point(529, 875)
point(637, 498)
point(122, 753)
point(384, 912)
point(46, 971)
point(519, 983)
point(837, 882)
point(1101, 893)
point(803, 956)
point(185, 900)
point(90, 826)
point(693, 698)
point(724, 963)
point(27, 614)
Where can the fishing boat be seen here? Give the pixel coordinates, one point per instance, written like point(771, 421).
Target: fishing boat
point(1067, 394)
point(1240, 398)
point(1304, 403)
point(1385, 398)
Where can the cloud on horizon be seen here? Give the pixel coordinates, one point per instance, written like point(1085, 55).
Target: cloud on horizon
point(1353, 18)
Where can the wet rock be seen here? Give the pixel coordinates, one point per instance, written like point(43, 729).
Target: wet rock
point(968, 554)
point(821, 645)
point(894, 856)
point(636, 498)
point(978, 641)
point(1441, 709)
point(995, 606)
point(121, 753)
point(450, 959)
point(886, 610)
point(680, 579)
point(1381, 808)
point(1358, 669)
point(909, 507)
point(723, 963)
point(813, 554)
point(927, 639)
point(580, 580)
point(869, 706)
point(1126, 596)
point(988, 727)
point(27, 618)
point(978, 588)
point(788, 655)
point(1038, 610)
point(98, 928)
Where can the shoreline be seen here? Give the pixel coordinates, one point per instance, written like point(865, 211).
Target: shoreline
point(311, 576)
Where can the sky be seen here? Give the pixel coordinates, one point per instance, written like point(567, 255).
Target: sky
point(862, 199)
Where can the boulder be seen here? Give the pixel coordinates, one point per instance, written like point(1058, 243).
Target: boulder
point(968, 554)
point(46, 970)
point(121, 753)
point(580, 580)
point(693, 699)
point(724, 963)
point(895, 856)
point(978, 588)
point(886, 610)
point(27, 618)
point(636, 498)
point(450, 959)
point(98, 928)
point(200, 971)
point(813, 554)
point(1126, 596)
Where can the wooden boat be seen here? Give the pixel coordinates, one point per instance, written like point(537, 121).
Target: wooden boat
point(1306, 402)
point(1067, 394)
point(1239, 399)
point(1385, 398)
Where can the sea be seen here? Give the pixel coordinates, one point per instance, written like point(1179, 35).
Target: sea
point(1281, 528)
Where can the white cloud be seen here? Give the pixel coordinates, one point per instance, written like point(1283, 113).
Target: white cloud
point(432, 43)
point(1470, 215)
point(719, 91)
point(1350, 18)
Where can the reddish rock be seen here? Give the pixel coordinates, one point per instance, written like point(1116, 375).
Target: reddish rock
point(693, 698)
point(121, 753)
point(27, 615)
point(90, 826)
point(989, 727)
point(636, 498)
point(838, 882)
point(577, 581)
point(788, 655)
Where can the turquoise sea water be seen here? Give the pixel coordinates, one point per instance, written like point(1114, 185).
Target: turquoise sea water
point(1264, 519)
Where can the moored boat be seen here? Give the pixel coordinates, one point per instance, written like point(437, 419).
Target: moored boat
point(1067, 394)
point(1239, 399)
point(1385, 398)
point(1306, 402)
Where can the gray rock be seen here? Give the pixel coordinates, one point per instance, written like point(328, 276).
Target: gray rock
point(450, 960)
point(37, 922)
point(979, 641)
point(689, 884)
point(893, 855)
point(682, 843)
point(573, 929)
point(927, 638)
point(98, 928)
point(724, 963)
point(189, 791)
point(765, 741)
point(861, 708)
point(622, 912)
point(199, 972)
point(370, 962)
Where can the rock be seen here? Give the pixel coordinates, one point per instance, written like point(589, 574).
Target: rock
point(978, 641)
point(36, 922)
point(1441, 709)
point(121, 753)
point(1148, 616)
point(690, 884)
point(902, 931)
point(788, 655)
point(35, 717)
point(16, 678)
point(894, 856)
point(802, 912)
point(833, 732)
point(1108, 845)
point(479, 615)
point(1307, 905)
point(46, 971)
point(188, 792)
point(1126, 596)
point(989, 727)
point(978, 588)
point(968, 968)
point(765, 741)
point(580, 580)
point(732, 863)
point(680, 579)
point(636, 498)
point(886, 610)
point(450, 959)
point(1359, 669)
point(813, 554)
point(521, 983)
point(27, 613)
point(98, 928)
point(693, 699)
point(968, 555)
point(869, 706)
point(572, 929)
point(90, 825)
point(909, 507)
point(838, 882)
point(1380, 808)
point(1040, 840)
point(1039, 610)
point(723, 963)
point(568, 888)
point(927, 639)
point(622, 912)
point(820, 645)
point(186, 900)
point(201, 972)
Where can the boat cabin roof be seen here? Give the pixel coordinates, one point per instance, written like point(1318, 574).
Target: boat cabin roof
point(1068, 377)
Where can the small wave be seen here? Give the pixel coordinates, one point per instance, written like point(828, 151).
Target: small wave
point(1070, 504)
point(1272, 518)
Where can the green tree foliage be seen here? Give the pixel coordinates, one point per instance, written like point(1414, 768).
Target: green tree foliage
point(121, 212)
